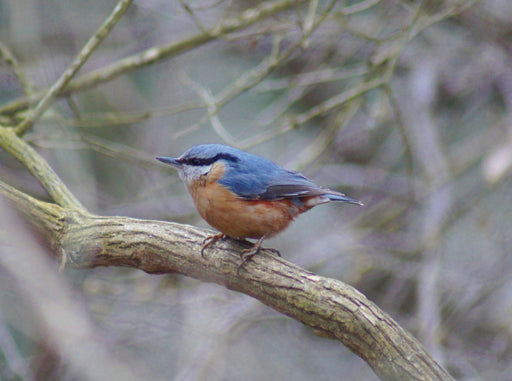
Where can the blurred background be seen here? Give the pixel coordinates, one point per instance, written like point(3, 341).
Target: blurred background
point(405, 105)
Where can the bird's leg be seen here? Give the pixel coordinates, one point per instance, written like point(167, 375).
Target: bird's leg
point(211, 240)
point(247, 254)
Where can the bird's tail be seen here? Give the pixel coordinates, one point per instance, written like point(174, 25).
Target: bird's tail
point(335, 196)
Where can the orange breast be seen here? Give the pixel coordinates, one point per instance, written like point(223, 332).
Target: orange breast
point(236, 217)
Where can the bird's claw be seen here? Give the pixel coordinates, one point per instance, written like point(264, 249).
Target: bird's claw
point(208, 241)
point(248, 254)
point(273, 251)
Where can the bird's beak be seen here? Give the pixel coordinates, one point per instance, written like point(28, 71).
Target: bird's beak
point(169, 160)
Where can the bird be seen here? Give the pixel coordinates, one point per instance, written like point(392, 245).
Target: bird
point(245, 195)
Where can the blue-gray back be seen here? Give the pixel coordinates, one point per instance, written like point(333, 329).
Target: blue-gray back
point(253, 177)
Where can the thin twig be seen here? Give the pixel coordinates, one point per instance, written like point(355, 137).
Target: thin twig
point(77, 63)
point(405, 136)
point(258, 74)
point(338, 100)
point(158, 53)
point(359, 7)
point(11, 60)
point(192, 14)
point(212, 111)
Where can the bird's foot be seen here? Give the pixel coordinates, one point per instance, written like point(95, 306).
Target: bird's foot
point(211, 240)
point(248, 254)
point(273, 251)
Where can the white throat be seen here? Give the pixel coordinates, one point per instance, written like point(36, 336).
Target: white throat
point(189, 174)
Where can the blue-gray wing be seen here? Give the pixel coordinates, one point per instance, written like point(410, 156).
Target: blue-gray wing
point(289, 184)
point(293, 185)
point(260, 179)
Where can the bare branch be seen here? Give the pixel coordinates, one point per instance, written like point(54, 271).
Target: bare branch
point(159, 53)
point(77, 63)
point(39, 168)
point(11, 60)
point(330, 307)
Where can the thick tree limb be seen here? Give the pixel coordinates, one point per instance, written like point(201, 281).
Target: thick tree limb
point(330, 307)
point(39, 168)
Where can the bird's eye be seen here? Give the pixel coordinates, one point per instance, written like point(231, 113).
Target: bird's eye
point(193, 161)
point(196, 162)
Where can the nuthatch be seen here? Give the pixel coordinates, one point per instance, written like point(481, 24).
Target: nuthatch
point(244, 195)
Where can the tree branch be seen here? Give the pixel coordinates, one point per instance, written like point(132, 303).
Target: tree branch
point(330, 307)
point(157, 53)
point(73, 68)
point(39, 168)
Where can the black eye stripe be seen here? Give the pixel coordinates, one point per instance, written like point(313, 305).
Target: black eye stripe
point(195, 161)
